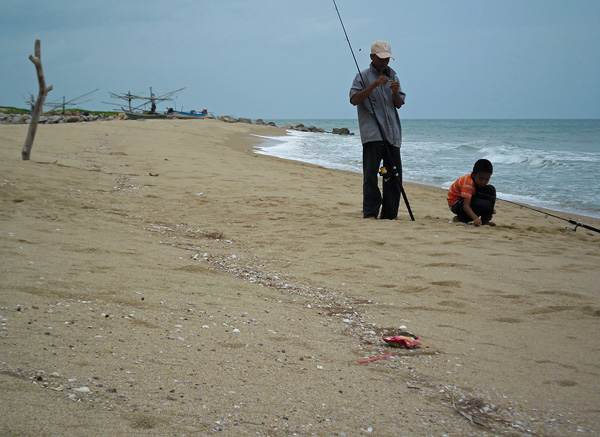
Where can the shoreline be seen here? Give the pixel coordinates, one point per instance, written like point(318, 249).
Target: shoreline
point(578, 214)
point(293, 125)
point(164, 277)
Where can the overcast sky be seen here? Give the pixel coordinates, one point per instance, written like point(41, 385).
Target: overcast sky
point(276, 59)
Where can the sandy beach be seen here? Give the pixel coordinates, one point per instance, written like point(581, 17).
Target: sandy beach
point(160, 277)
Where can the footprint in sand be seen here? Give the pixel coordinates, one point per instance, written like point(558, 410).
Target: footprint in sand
point(563, 383)
point(442, 265)
point(507, 320)
point(447, 283)
point(452, 303)
point(560, 293)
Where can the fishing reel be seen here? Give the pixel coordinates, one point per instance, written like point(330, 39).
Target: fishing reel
point(386, 175)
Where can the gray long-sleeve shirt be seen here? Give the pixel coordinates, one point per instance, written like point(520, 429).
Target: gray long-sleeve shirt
point(383, 102)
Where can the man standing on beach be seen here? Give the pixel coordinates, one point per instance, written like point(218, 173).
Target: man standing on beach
point(377, 101)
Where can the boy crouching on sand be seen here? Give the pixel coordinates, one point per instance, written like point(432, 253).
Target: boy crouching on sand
point(471, 197)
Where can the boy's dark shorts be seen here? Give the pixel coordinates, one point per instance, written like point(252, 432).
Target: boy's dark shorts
point(457, 208)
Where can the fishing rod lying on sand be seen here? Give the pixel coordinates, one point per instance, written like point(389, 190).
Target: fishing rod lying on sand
point(396, 175)
point(573, 222)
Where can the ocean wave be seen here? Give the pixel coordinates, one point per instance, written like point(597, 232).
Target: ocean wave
point(533, 161)
point(526, 157)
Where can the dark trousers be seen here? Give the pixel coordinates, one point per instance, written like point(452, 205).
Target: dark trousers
point(373, 153)
point(482, 204)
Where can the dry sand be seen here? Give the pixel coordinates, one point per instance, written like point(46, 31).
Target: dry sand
point(159, 277)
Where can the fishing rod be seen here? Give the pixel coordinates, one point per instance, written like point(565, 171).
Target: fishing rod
point(571, 221)
point(379, 127)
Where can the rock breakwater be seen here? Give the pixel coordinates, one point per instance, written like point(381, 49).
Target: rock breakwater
point(78, 117)
point(54, 119)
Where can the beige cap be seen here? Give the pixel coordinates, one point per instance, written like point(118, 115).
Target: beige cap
point(382, 49)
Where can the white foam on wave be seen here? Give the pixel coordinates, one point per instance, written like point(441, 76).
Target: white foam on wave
point(280, 146)
point(526, 199)
point(324, 149)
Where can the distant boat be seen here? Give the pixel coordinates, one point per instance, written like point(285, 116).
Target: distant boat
point(189, 115)
point(147, 115)
point(137, 114)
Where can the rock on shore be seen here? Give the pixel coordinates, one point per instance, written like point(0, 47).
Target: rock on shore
point(53, 119)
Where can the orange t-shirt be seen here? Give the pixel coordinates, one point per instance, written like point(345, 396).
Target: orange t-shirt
point(463, 187)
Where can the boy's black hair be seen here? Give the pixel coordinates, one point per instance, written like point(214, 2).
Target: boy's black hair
point(483, 166)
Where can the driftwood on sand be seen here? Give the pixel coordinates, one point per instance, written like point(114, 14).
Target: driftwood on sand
point(39, 102)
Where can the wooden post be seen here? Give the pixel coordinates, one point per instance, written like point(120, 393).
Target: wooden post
point(39, 103)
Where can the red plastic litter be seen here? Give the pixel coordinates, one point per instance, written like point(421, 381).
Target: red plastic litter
point(405, 340)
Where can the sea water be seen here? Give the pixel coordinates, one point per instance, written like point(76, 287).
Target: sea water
point(553, 164)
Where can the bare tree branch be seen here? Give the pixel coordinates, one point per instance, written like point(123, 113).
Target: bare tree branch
point(39, 103)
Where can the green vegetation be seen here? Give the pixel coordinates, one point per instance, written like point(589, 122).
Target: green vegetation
point(81, 111)
point(12, 110)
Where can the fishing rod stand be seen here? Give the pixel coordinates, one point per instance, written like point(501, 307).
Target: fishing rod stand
point(387, 175)
point(394, 172)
